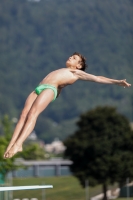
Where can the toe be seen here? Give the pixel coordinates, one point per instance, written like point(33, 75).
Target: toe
point(6, 155)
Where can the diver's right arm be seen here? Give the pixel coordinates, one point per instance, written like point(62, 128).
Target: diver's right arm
point(99, 79)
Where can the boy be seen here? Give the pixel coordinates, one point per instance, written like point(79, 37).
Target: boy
point(47, 91)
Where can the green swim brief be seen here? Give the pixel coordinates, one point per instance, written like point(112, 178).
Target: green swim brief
point(42, 87)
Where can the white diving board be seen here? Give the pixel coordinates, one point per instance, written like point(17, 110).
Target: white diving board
point(32, 187)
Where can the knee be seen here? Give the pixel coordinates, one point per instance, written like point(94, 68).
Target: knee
point(24, 114)
point(32, 114)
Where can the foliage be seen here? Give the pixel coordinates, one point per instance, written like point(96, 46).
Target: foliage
point(38, 37)
point(32, 151)
point(101, 149)
point(6, 165)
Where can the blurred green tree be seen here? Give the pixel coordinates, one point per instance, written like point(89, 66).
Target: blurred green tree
point(101, 149)
point(6, 127)
point(32, 151)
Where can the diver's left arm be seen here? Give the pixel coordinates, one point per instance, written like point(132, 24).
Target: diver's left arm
point(100, 79)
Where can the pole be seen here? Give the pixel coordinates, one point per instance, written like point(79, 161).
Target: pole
point(128, 193)
point(87, 189)
point(10, 192)
point(43, 193)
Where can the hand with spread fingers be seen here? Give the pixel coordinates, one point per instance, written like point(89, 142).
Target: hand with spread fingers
point(124, 83)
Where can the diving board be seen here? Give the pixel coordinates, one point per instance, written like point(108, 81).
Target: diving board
point(32, 187)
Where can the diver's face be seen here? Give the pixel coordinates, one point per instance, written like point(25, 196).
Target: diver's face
point(73, 62)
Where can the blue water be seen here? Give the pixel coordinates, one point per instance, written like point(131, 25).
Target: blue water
point(43, 171)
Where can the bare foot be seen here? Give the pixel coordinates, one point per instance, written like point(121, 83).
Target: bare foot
point(14, 149)
point(8, 148)
point(20, 149)
point(7, 151)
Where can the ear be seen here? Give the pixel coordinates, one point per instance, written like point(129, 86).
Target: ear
point(78, 66)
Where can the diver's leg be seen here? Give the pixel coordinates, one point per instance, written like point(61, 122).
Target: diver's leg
point(28, 104)
point(39, 105)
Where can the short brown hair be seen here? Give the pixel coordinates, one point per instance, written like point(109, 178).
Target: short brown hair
point(82, 62)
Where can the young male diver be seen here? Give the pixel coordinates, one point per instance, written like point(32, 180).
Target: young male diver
point(48, 90)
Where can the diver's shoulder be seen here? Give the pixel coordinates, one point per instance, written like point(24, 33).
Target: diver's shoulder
point(61, 70)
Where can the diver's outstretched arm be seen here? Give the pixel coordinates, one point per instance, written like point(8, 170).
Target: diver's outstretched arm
point(99, 79)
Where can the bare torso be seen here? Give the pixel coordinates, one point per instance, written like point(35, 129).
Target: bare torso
point(60, 78)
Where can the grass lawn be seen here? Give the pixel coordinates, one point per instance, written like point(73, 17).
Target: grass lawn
point(65, 188)
point(125, 198)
